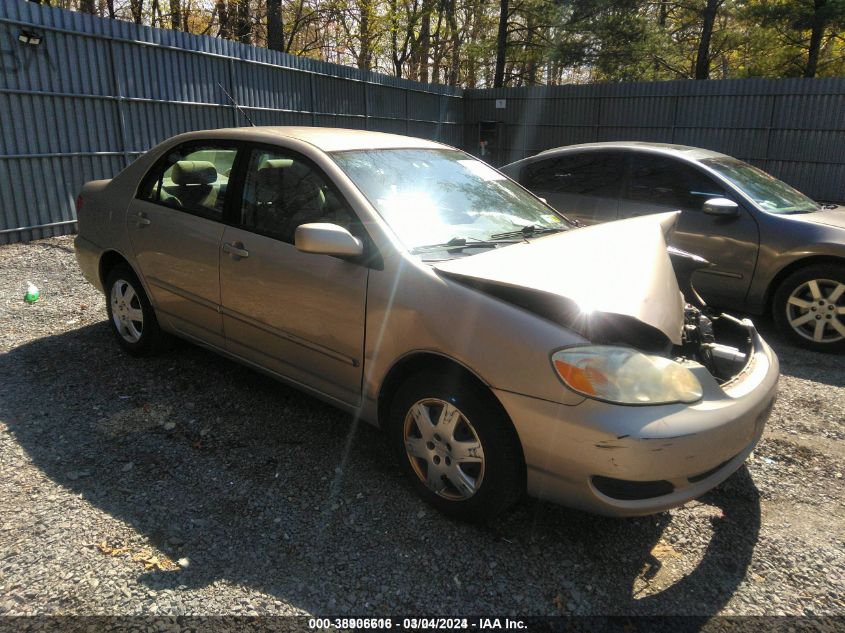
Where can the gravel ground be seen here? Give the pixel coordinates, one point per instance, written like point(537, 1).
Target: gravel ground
point(187, 484)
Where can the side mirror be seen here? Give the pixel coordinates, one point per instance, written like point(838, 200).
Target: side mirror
point(721, 206)
point(327, 239)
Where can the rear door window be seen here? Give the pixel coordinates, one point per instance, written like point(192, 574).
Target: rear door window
point(586, 174)
point(193, 178)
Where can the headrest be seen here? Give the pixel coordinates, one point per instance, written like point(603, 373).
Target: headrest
point(275, 163)
point(194, 172)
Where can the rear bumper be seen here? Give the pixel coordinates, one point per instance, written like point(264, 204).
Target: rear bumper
point(629, 460)
point(88, 257)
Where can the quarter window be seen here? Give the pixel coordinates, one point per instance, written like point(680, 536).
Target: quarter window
point(192, 178)
point(660, 180)
point(282, 191)
point(586, 174)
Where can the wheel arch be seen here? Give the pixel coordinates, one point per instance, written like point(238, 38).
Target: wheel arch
point(108, 260)
point(419, 361)
point(798, 264)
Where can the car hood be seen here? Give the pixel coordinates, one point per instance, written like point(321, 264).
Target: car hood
point(609, 282)
point(828, 217)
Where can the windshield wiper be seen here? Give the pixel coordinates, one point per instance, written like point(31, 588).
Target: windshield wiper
point(460, 243)
point(527, 231)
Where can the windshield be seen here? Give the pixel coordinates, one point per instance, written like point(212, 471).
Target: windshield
point(437, 196)
point(770, 194)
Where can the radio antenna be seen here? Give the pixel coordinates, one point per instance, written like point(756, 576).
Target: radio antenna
point(235, 103)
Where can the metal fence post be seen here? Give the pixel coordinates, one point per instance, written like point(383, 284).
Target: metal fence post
point(366, 105)
point(233, 91)
point(407, 110)
point(121, 116)
point(313, 99)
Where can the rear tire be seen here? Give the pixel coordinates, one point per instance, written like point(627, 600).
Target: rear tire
point(468, 462)
point(131, 315)
point(809, 307)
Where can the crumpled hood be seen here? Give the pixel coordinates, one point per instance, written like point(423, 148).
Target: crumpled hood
point(619, 268)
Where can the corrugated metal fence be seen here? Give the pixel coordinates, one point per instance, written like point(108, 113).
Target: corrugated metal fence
point(792, 128)
point(94, 93)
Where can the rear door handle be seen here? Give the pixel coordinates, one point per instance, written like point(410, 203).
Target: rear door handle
point(236, 250)
point(142, 219)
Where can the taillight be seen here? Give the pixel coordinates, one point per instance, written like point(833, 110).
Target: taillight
point(79, 202)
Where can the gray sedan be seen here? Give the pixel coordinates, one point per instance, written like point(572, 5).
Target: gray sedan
point(772, 248)
point(424, 292)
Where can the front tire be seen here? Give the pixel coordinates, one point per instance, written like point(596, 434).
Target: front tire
point(131, 314)
point(456, 446)
point(809, 307)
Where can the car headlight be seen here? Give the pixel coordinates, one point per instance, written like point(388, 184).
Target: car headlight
point(625, 376)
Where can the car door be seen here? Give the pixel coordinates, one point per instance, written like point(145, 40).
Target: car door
point(297, 314)
point(657, 183)
point(175, 224)
point(584, 186)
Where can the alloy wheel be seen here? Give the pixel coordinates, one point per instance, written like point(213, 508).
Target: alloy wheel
point(816, 310)
point(444, 449)
point(127, 315)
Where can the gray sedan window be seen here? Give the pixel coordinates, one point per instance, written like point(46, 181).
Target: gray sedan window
point(771, 194)
point(587, 174)
point(669, 182)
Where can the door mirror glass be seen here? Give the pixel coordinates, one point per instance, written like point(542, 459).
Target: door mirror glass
point(721, 206)
point(327, 239)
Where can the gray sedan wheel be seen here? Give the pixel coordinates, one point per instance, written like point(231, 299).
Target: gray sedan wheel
point(809, 307)
point(456, 445)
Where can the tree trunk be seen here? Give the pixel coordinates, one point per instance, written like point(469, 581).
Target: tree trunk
point(176, 15)
point(702, 60)
point(242, 21)
point(501, 44)
point(424, 47)
point(88, 6)
point(455, 35)
point(365, 53)
point(275, 35)
point(136, 8)
point(816, 35)
point(223, 17)
point(110, 6)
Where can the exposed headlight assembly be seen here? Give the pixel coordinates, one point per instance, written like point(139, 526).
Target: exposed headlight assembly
point(625, 376)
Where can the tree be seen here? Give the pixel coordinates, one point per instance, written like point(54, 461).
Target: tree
point(804, 26)
point(275, 31)
point(708, 19)
point(501, 44)
point(176, 15)
point(136, 7)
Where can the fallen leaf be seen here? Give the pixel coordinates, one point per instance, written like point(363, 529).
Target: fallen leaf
point(664, 550)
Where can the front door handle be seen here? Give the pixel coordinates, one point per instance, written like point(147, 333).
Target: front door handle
point(142, 219)
point(236, 250)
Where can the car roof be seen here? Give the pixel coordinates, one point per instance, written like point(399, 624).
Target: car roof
point(681, 151)
point(328, 139)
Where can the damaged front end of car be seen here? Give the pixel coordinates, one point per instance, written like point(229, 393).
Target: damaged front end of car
point(615, 285)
